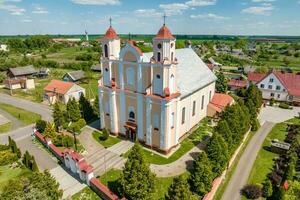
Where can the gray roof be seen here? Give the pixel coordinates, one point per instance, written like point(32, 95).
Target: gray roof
point(21, 71)
point(192, 73)
point(76, 75)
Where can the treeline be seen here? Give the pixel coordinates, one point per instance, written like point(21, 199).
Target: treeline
point(30, 43)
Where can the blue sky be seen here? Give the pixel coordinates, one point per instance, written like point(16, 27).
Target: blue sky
point(242, 17)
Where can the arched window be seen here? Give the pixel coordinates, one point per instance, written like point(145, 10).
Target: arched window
point(131, 115)
point(158, 56)
point(172, 82)
point(105, 51)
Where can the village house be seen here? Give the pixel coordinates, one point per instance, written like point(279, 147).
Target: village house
point(74, 76)
point(21, 72)
point(277, 85)
point(213, 65)
point(20, 78)
point(236, 84)
point(62, 91)
point(156, 97)
point(218, 104)
point(3, 47)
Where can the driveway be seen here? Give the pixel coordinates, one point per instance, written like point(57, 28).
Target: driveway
point(41, 109)
point(243, 169)
point(277, 115)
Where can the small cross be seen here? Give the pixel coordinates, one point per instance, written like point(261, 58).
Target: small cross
point(110, 21)
point(165, 16)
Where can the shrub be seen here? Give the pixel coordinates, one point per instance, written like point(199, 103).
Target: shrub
point(74, 127)
point(7, 157)
point(251, 191)
point(105, 135)
point(81, 123)
point(284, 106)
point(41, 125)
point(267, 189)
point(272, 101)
point(67, 141)
point(4, 147)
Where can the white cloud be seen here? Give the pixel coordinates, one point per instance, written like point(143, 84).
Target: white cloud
point(39, 10)
point(210, 16)
point(147, 13)
point(195, 3)
point(259, 10)
point(96, 2)
point(173, 8)
point(12, 9)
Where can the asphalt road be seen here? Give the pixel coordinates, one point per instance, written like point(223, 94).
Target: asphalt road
point(41, 109)
point(17, 134)
point(243, 169)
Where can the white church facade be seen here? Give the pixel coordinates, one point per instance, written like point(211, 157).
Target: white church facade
point(157, 97)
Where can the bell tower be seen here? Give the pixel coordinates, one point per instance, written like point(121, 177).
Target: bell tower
point(110, 43)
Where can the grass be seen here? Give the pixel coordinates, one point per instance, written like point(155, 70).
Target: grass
point(85, 193)
point(106, 143)
point(186, 145)
point(111, 177)
point(231, 170)
point(264, 162)
point(5, 127)
point(7, 173)
point(25, 116)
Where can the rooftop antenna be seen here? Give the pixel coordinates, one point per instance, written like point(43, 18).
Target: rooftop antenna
point(110, 22)
point(165, 16)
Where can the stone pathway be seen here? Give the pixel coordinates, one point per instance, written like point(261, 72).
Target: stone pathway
point(121, 147)
point(67, 182)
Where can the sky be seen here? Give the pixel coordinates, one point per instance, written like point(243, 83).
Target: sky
point(199, 17)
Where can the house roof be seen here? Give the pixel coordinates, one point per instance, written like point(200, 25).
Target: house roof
point(290, 81)
point(58, 86)
point(237, 83)
point(111, 34)
point(164, 33)
point(21, 71)
point(76, 75)
point(75, 155)
point(220, 101)
point(256, 77)
point(192, 73)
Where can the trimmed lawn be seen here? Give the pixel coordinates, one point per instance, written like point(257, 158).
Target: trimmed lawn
point(7, 173)
point(25, 116)
point(264, 162)
point(161, 184)
point(186, 145)
point(86, 193)
point(106, 143)
point(5, 127)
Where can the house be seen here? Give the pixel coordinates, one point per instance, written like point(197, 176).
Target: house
point(62, 91)
point(235, 84)
point(21, 72)
point(3, 47)
point(156, 97)
point(213, 65)
point(218, 103)
point(74, 76)
point(19, 83)
point(277, 85)
point(96, 68)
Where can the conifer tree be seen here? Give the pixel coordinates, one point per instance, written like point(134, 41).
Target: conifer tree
point(179, 190)
point(34, 166)
point(96, 107)
point(50, 131)
point(73, 111)
point(223, 129)
point(137, 181)
point(201, 175)
point(58, 115)
point(86, 108)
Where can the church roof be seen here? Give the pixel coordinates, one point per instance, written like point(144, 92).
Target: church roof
point(192, 73)
point(164, 33)
point(111, 34)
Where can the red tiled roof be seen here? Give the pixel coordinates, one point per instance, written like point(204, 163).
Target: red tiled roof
point(75, 155)
point(256, 77)
point(58, 86)
point(84, 166)
point(111, 34)
point(103, 189)
point(237, 83)
point(164, 33)
point(285, 185)
point(220, 101)
point(56, 150)
point(210, 66)
point(40, 136)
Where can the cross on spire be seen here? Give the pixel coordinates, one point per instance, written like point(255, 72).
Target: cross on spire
point(110, 22)
point(165, 16)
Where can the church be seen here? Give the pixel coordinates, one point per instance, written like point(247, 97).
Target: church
point(157, 97)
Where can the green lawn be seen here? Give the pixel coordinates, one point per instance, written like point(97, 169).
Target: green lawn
point(86, 194)
point(7, 173)
point(107, 143)
point(187, 144)
point(161, 184)
point(5, 127)
point(264, 162)
point(25, 116)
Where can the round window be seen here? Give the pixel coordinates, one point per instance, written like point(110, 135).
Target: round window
point(159, 46)
point(158, 76)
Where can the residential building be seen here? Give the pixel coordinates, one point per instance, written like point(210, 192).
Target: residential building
point(21, 72)
point(218, 103)
point(62, 91)
point(235, 84)
point(277, 85)
point(3, 47)
point(74, 76)
point(156, 97)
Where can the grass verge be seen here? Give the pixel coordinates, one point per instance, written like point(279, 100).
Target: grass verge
point(25, 116)
point(5, 127)
point(106, 143)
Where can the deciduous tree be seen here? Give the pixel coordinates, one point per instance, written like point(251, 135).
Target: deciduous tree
point(179, 190)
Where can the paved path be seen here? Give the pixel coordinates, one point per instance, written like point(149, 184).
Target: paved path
point(277, 115)
point(243, 169)
point(16, 123)
point(17, 134)
point(121, 147)
point(41, 109)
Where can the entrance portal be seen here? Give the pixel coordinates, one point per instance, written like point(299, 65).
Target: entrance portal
point(131, 131)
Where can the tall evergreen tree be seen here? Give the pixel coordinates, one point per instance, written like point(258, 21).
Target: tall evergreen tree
point(50, 131)
point(137, 181)
point(221, 84)
point(179, 190)
point(223, 129)
point(201, 175)
point(86, 108)
point(34, 166)
point(58, 115)
point(96, 107)
point(217, 152)
point(73, 111)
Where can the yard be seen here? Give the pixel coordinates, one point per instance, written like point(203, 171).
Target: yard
point(264, 162)
point(24, 116)
point(186, 145)
point(106, 143)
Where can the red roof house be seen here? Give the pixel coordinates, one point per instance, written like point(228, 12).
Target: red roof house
point(219, 103)
point(237, 84)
